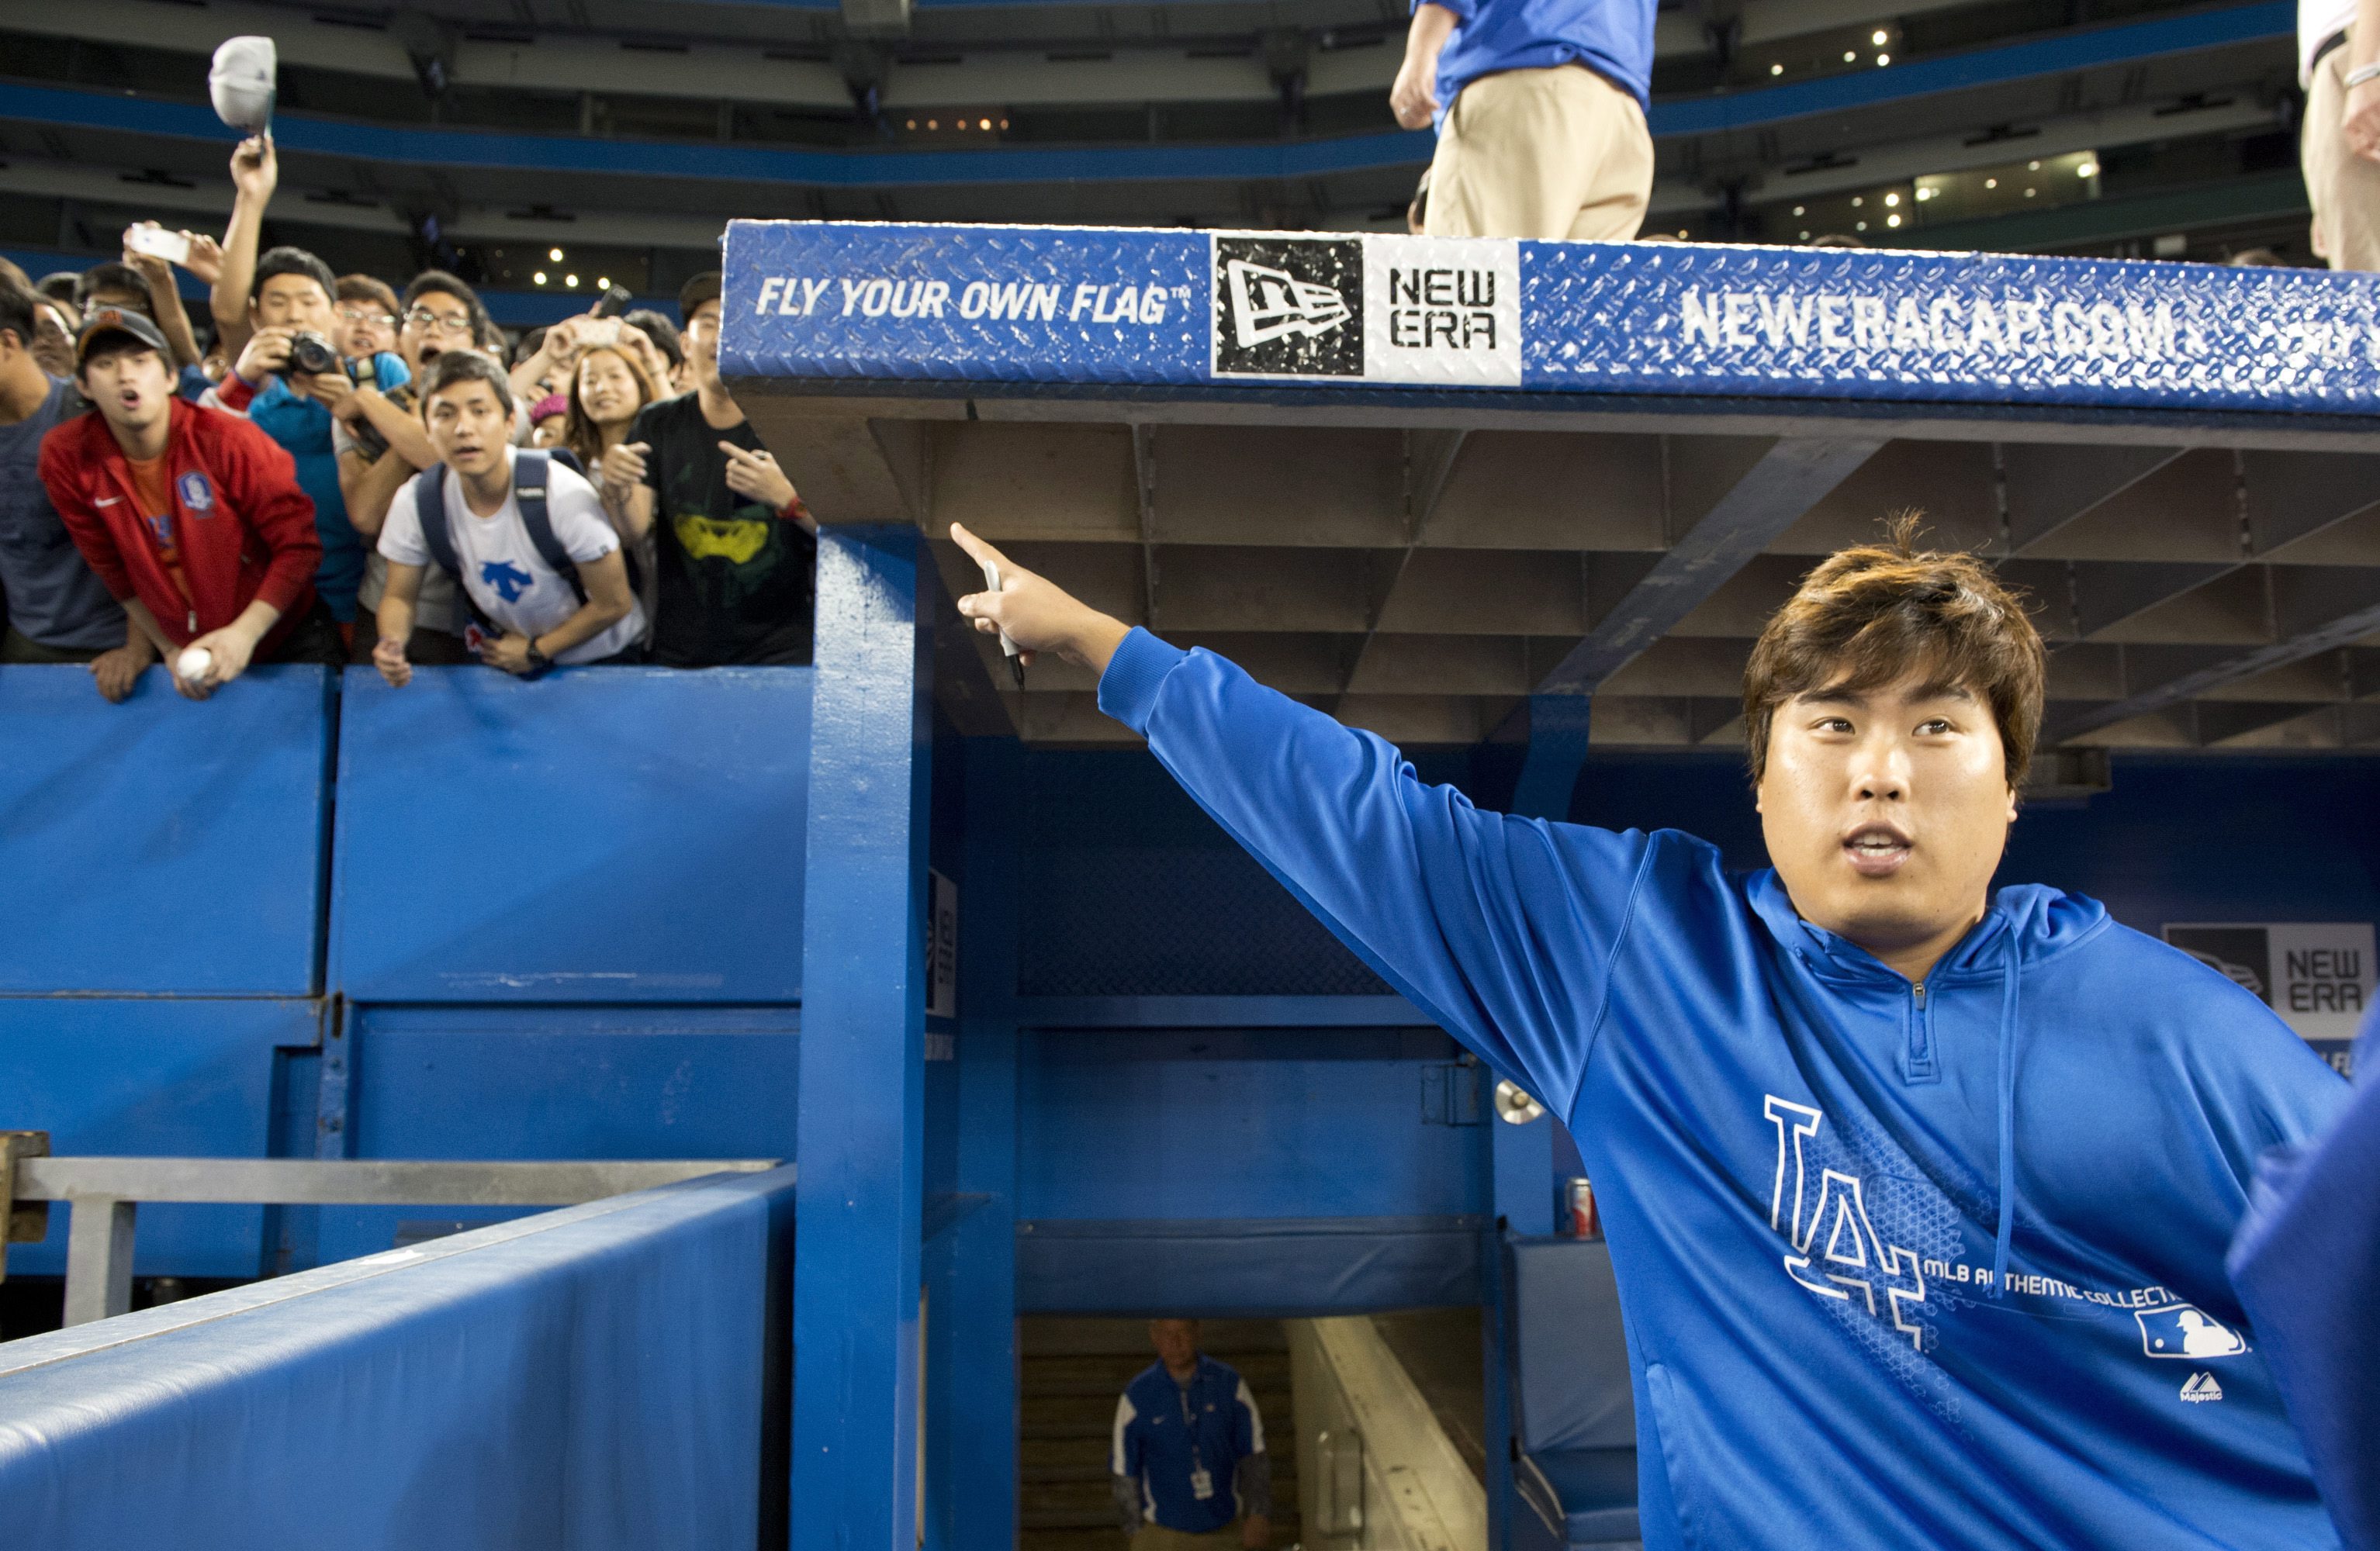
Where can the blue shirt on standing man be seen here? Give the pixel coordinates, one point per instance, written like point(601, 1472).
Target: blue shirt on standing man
point(1613, 38)
point(1184, 1444)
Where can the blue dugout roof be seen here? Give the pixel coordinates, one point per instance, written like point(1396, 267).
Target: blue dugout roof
point(1004, 311)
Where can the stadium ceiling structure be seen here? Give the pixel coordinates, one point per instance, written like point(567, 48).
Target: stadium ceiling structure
point(1422, 564)
point(1422, 574)
point(642, 126)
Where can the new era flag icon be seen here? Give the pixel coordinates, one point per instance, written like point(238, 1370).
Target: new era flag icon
point(1268, 304)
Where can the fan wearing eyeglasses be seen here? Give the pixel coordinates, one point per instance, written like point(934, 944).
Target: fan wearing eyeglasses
point(437, 313)
point(366, 311)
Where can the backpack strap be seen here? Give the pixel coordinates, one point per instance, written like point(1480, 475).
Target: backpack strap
point(531, 468)
point(429, 504)
point(438, 536)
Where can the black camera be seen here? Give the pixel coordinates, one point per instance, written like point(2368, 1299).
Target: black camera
point(310, 354)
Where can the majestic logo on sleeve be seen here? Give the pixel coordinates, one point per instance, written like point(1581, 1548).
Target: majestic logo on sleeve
point(1834, 1251)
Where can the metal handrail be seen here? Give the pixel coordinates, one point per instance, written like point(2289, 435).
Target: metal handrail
point(105, 1193)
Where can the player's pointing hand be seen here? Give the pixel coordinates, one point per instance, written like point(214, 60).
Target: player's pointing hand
point(1035, 613)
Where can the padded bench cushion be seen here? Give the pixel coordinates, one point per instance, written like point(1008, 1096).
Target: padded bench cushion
point(1596, 1488)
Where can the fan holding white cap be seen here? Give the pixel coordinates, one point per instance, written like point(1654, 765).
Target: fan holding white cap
point(242, 83)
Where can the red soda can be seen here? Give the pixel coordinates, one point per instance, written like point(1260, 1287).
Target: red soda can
point(1585, 1221)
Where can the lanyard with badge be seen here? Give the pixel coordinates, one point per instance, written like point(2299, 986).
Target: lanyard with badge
point(1202, 1484)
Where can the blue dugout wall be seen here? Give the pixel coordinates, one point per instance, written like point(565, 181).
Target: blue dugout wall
point(571, 918)
point(475, 919)
point(564, 919)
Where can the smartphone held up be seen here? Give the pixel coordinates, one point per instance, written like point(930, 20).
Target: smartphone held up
point(150, 238)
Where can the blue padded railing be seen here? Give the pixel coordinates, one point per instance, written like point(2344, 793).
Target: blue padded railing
point(622, 845)
point(2131, 42)
point(629, 835)
point(611, 1375)
point(209, 818)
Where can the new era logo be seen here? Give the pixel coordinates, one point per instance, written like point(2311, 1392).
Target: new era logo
point(2202, 1386)
point(1289, 307)
point(1269, 304)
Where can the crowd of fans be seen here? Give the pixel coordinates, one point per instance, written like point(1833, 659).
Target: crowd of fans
point(330, 470)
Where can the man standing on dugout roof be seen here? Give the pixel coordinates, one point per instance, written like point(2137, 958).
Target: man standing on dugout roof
point(1918, 1196)
point(1539, 106)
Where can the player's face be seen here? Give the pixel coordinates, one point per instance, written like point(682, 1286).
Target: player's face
point(1886, 810)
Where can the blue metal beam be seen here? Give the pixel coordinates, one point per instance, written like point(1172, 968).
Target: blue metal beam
point(1520, 1168)
point(861, 1117)
point(971, 1412)
point(1788, 479)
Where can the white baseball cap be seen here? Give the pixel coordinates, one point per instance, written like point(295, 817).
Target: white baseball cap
point(241, 83)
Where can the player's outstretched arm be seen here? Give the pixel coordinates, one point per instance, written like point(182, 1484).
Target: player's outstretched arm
point(1501, 930)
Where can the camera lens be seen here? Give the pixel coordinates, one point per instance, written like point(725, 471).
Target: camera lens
point(311, 354)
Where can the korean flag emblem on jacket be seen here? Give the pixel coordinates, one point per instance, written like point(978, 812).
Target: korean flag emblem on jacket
point(198, 494)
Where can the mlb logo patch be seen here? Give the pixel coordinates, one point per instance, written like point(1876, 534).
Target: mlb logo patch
point(198, 495)
point(2185, 1331)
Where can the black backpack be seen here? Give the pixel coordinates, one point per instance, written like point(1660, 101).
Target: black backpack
point(530, 466)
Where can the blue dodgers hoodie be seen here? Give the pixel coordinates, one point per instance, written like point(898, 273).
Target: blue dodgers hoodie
point(1935, 1265)
point(2306, 1263)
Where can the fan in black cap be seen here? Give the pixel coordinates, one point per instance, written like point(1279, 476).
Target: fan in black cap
point(106, 320)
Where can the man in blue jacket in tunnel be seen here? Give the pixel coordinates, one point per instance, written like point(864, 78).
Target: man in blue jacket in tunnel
point(1917, 1195)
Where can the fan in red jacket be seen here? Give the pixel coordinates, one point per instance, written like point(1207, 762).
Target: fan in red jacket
point(193, 518)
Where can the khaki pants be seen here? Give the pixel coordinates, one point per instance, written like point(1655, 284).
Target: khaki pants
point(2343, 187)
point(1551, 153)
point(1157, 1537)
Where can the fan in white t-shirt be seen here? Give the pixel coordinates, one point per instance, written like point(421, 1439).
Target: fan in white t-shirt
point(538, 618)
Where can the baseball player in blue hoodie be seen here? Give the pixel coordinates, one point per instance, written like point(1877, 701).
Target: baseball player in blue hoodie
point(1918, 1195)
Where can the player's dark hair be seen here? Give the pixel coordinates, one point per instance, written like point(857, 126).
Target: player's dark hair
point(1875, 614)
